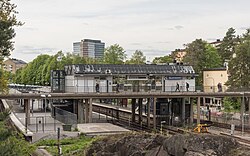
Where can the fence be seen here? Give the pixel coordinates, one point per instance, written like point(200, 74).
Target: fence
point(66, 117)
point(128, 88)
point(226, 118)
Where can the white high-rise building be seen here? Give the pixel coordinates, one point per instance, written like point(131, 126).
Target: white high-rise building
point(89, 48)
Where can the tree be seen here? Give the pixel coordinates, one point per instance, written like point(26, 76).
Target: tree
point(201, 55)
point(239, 66)
point(7, 23)
point(3, 81)
point(227, 47)
point(114, 54)
point(164, 59)
point(137, 58)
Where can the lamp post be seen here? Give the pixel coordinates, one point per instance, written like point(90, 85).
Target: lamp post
point(45, 96)
point(162, 122)
point(58, 59)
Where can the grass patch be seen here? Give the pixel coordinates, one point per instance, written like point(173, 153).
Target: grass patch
point(70, 146)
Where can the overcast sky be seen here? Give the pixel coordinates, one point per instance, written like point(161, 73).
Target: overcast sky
point(154, 26)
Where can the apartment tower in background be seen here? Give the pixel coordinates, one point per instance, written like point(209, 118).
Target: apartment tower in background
point(89, 48)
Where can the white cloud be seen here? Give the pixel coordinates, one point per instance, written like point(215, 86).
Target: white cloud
point(151, 25)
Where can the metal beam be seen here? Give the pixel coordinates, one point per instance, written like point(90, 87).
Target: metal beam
point(123, 95)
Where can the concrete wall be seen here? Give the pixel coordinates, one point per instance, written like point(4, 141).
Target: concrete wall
point(87, 84)
point(212, 78)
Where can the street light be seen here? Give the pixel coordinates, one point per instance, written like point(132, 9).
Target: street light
point(162, 122)
point(58, 59)
point(45, 96)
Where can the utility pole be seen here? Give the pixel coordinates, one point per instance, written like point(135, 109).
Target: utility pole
point(58, 142)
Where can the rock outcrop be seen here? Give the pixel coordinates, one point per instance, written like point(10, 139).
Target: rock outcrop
point(144, 144)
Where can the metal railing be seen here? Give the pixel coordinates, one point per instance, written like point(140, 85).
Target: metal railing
point(128, 88)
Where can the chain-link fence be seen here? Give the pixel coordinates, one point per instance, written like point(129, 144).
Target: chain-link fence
point(40, 123)
point(226, 118)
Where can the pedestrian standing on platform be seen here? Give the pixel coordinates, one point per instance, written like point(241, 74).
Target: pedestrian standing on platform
point(187, 86)
point(219, 87)
point(97, 87)
point(117, 87)
point(177, 87)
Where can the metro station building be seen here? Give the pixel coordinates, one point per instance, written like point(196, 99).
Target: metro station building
point(84, 78)
point(108, 78)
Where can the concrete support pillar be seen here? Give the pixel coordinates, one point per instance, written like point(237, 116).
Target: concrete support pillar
point(191, 111)
point(80, 114)
point(32, 106)
point(75, 106)
point(154, 113)
point(248, 99)
point(86, 111)
point(170, 120)
point(27, 111)
point(249, 111)
point(242, 111)
point(148, 112)
point(198, 110)
point(133, 109)
point(140, 110)
point(90, 110)
point(183, 111)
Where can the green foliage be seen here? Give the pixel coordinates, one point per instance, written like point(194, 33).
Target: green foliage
point(239, 66)
point(114, 54)
point(11, 142)
point(231, 104)
point(137, 58)
point(7, 23)
point(4, 115)
point(227, 47)
point(38, 71)
point(15, 146)
point(163, 59)
point(3, 81)
point(69, 145)
point(201, 55)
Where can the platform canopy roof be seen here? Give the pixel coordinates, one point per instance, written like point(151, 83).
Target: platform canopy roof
point(128, 69)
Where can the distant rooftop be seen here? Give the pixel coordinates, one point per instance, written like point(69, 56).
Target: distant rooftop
point(216, 69)
point(91, 40)
point(18, 61)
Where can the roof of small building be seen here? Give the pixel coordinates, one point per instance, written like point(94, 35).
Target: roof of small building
point(102, 69)
point(215, 69)
point(16, 61)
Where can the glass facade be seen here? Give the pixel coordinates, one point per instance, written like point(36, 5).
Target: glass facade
point(57, 81)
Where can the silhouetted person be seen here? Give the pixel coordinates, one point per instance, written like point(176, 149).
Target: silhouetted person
point(187, 86)
point(97, 87)
point(177, 87)
point(219, 87)
point(117, 87)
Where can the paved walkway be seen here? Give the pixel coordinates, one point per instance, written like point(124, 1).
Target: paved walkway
point(100, 129)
